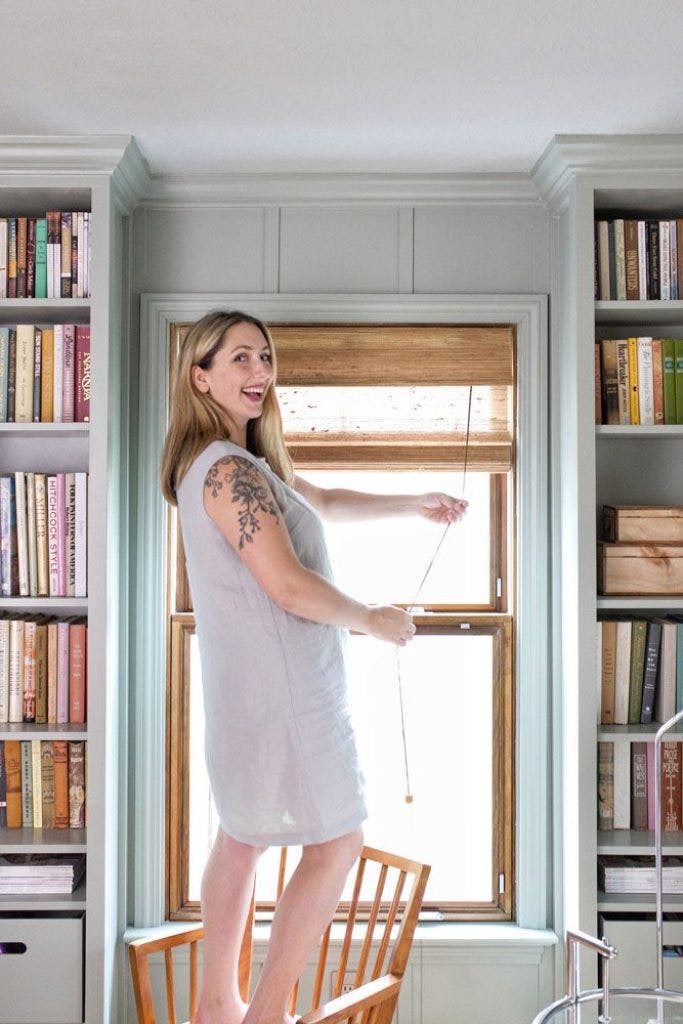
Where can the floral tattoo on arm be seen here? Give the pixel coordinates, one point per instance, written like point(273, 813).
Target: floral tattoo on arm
point(248, 490)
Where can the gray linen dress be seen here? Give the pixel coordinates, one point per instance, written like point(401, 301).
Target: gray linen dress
point(280, 750)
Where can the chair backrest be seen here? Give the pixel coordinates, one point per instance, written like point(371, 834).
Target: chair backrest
point(383, 922)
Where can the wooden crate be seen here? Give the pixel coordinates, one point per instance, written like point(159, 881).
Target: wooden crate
point(640, 569)
point(653, 524)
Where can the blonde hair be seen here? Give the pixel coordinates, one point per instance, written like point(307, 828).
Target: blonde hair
point(196, 419)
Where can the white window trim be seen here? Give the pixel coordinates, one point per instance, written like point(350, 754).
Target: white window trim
point(529, 314)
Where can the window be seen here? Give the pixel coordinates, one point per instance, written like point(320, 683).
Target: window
point(406, 434)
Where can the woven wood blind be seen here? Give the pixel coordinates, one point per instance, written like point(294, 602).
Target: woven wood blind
point(382, 356)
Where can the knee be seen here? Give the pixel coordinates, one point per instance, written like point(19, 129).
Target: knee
point(342, 851)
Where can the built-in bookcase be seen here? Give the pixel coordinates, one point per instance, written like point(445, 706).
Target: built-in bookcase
point(585, 179)
point(101, 178)
point(637, 465)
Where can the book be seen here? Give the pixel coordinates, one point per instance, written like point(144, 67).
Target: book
point(622, 784)
point(605, 785)
point(41, 673)
point(671, 787)
point(8, 538)
point(13, 782)
point(57, 372)
point(669, 380)
point(36, 784)
point(4, 671)
point(22, 231)
point(47, 380)
point(68, 374)
point(629, 874)
point(633, 378)
point(631, 258)
point(22, 532)
point(678, 377)
point(41, 535)
point(61, 768)
point(65, 260)
point(26, 784)
point(77, 671)
point(646, 408)
point(623, 382)
point(52, 536)
point(639, 786)
point(658, 381)
point(81, 535)
point(16, 670)
point(622, 671)
point(31, 534)
point(82, 374)
point(665, 691)
point(11, 257)
point(3, 788)
point(41, 258)
point(3, 257)
point(47, 770)
point(610, 388)
point(37, 360)
point(609, 643)
point(598, 383)
point(46, 874)
point(24, 373)
point(77, 784)
point(638, 641)
point(4, 366)
point(652, 642)
point(31, 258)
point(29, 688)
point(62, 672)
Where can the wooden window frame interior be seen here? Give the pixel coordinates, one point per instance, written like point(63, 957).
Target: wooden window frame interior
point(500, 908)
point(444, 617)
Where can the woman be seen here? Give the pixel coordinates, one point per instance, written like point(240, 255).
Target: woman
point(280, 750)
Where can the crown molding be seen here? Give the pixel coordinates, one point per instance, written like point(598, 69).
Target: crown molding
point(290, 189)
point(131, 179)
point(568, 157)
point(62, 154)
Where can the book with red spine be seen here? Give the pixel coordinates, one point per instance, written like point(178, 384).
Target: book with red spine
point(82, 374)
point(671, 787)
point(78, 633)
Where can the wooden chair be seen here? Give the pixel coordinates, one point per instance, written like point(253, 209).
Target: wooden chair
point(367, 1002)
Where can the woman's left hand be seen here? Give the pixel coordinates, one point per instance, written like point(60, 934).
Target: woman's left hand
point(441, 508)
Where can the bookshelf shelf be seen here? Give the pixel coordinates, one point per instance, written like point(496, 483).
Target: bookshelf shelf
point(26, 731)
point(49, 605)
point(635, 733)
point(644, 604)
point(633, 843)
point(655, 433)
point(45, 901)
point(45, 311)
point(653, 311)
point(50, 431)
point(43, 840)
point(636, 902)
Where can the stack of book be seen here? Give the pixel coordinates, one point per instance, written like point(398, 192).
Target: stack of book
point(45, 257)
point(42, 783)
point(43, 534)
point(626, 785)
point(43, 670)
point(638, 259)
point(35, 873)
point(45, 373)
point(639, 381)
point(640, 669)
point(637, 874)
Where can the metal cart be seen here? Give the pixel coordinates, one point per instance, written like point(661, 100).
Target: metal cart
point(658, 1004)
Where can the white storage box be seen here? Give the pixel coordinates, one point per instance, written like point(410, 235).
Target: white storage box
point(41, 970)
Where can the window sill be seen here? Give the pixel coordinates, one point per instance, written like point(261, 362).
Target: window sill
point(429, 934)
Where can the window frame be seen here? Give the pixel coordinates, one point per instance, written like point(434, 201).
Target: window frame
point(495, 615)
point(143, 782)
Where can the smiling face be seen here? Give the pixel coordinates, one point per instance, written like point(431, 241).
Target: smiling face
point(239, 376)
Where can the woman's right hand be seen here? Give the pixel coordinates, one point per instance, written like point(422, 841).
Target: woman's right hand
point(385, 622)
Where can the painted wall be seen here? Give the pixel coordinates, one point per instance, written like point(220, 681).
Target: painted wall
point(460, 247)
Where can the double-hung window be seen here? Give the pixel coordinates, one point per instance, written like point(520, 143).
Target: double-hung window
point(405, 410)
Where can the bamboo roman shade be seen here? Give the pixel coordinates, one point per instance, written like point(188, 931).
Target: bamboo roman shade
point(397, 395)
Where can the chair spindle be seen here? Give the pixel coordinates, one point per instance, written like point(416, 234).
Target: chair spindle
point(170, 989)
point(346, 945)
point(391, 917)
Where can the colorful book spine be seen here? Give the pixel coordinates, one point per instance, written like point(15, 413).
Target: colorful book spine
point(82, 375)
point(41, 258)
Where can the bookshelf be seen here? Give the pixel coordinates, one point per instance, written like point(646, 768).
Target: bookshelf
point(584, 178)
point(104, 175)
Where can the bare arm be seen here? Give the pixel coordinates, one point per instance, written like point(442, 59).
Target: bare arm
point(344, 505)
point(239, 500)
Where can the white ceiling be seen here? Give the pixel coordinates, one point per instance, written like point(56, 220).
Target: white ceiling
point(381, 85)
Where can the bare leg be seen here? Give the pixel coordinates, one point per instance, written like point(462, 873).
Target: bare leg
point(304, 910)
point(227, 885)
